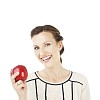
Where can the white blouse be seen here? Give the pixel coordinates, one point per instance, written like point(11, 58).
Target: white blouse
point(75, 87)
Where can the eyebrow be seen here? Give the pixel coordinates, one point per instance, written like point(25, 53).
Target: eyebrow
point(43, 43)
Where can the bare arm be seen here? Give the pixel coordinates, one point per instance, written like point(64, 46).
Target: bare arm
point(19, 86)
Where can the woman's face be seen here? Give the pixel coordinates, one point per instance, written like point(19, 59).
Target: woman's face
point(46, 49)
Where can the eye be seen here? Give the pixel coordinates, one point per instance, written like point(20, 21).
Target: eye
point(47, 44)
point(36, 48)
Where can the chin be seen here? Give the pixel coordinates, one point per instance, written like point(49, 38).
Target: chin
point(48, 66)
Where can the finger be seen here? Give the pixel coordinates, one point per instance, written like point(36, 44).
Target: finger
point(21, 86)
point(16, 84)
point(19, 82)
point(14, 76)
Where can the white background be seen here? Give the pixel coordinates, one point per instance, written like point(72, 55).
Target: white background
point(79, 24)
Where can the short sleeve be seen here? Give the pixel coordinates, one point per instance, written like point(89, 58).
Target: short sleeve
point(85, 95)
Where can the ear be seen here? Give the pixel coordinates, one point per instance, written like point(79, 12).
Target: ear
point(60, 45)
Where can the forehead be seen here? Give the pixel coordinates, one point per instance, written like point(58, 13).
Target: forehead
point(43, 37)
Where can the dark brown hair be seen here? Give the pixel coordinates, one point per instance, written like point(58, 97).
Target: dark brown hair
point(48, 28)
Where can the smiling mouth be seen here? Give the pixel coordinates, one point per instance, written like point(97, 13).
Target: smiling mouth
point(46, 59)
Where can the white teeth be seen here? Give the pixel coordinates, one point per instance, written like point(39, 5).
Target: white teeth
point(46, 58)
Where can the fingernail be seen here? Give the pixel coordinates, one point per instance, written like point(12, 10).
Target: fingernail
point(17, 73)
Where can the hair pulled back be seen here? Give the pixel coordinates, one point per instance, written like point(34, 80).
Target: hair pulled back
point(49, 28)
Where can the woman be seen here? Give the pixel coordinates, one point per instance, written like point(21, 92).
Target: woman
point(54, 82)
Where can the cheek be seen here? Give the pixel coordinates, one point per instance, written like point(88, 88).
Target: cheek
point(54, 51)
point(36, 53)
point(51, 50)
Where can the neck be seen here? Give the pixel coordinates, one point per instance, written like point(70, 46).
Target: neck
point(55, 74)
point(54, 70)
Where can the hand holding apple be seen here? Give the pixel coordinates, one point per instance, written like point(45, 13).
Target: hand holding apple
point(23, 73)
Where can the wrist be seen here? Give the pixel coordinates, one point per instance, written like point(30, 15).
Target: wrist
point(20, 98)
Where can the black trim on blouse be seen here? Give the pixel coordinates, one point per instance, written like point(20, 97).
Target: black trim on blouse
point(62, 84)
point(36, 89)
point(63, 92)
point(31, 80)
point(72, 89)
point(45, 91)
point(54, 83)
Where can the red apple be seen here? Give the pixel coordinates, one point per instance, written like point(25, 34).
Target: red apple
point(23, 73)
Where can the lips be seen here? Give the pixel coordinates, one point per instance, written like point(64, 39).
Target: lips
point(46, 59)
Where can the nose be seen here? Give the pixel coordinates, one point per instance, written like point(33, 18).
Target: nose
point(42, 52)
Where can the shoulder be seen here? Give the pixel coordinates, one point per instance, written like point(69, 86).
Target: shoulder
point(31, 77)
point(78, 78)
point(80, 81)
